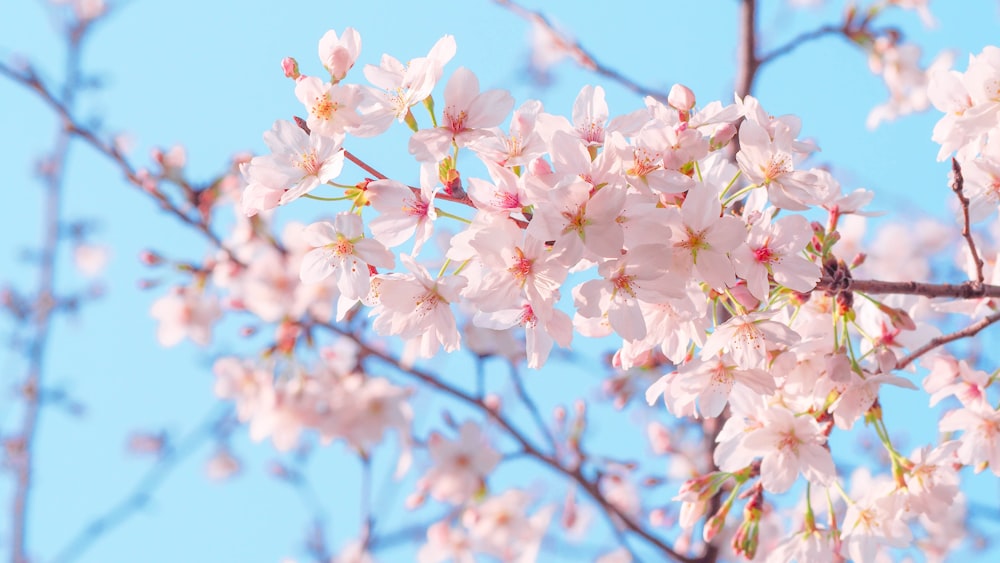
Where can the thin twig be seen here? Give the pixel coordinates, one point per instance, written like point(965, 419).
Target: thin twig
point(45, 303)
point(966, 332)
point(799, 41)
point(958, 186)
point(574, 473)
point(141, 494)
point(30, 80)
point(518, 381)
point(582, 56)
point(367, 514)
point(364, 165)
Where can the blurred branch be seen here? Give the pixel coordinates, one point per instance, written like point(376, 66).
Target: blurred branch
point(797, 42)
point(515, 376)
point(582, 56)
point(45, 301)
point(71, 126)
point(169, 460)
point(747, 62)
point(573, 473)
point(966, 332)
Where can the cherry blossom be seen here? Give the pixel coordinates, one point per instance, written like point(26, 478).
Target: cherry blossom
point(298, 163)
point(186, 312)
point(343, 251)
point(332, 108)
point(338, 54)
point(466, 114)
point(460, 466)
point(415, 306)
point(401, 86)
point(790, 445)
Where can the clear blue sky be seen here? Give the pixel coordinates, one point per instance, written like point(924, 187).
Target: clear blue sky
point(206, 74)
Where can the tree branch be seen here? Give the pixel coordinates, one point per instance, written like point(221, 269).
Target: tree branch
point(582, 56)
point(573, 473)
point(135, 501)
point(965, 290)
point(799, 41)
point(29, 79)
point(45, 301)
point(966, 332)
point(747, 62)
point(958, 186)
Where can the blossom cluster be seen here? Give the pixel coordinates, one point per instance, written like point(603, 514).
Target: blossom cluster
point(686, 230)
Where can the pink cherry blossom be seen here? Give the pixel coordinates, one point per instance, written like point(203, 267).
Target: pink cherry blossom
point(417, 307)
point(460, 466)
point(342, 250)
point(186, 312)
point(702, 238)
point(403, 212)
point(401, 86)
point(774, 249)
point(467, 113)
point(298, 163)
point(332, 108)
point(338, 54)
point(789, 445)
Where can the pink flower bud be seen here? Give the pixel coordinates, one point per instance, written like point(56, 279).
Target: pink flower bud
point(290, 67)
point(492, 402)
point(680, 97)
point(539, 167)
point(415, 500)
point(722, 136)
point(559, 413)
point(714, 525)
point(150, 258)
point(658, 517)
point(743, 296)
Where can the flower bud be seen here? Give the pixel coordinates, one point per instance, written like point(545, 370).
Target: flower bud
point(492, 402)
point(680, 97)
point(290, 67)
point(150, 258)
point(714, 525)
point(722, 136)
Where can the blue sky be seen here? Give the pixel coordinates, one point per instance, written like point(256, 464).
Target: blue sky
point(206, 74)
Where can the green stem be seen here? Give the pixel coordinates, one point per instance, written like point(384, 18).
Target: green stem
point(318, 198)
point(739, 194)
point(442, 213)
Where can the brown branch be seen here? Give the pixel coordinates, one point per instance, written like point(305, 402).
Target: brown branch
point(747, 62)
point(965, 290)
point(958, 186)
point(582, 56)
point(364, 165)
point(966, 332)
point(45, 301)
point(29, 79)
point(573, 473)
point(529, 403)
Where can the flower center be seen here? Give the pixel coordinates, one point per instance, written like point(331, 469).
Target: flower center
point(309, 163)
point(521, 268)
point(324, 107)
point(763, 254)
